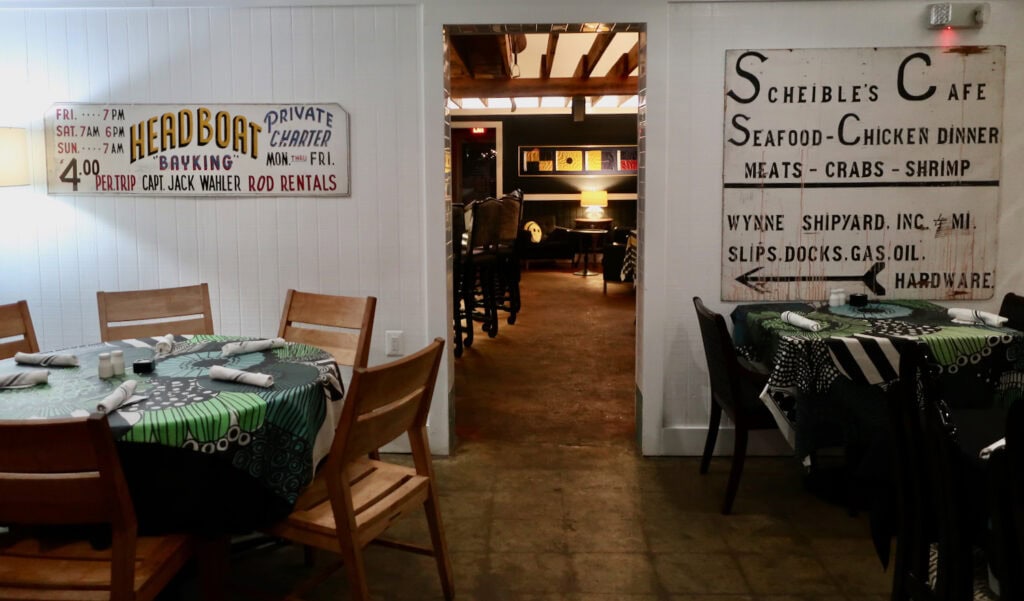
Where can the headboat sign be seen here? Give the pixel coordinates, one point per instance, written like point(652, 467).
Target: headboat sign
point(294, 149)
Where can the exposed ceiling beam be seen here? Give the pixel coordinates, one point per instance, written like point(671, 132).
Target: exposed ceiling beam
point(549, 56)
point(457, 64)
point(561, 86)
point(597, 49)
point(632, 60)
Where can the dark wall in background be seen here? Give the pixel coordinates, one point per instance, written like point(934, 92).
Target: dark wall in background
point(549, 130)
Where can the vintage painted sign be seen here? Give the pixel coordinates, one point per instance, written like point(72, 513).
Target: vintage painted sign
point(875, 170)
point(289, 149)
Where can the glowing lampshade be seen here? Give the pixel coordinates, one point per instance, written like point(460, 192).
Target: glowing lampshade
point(594, 201)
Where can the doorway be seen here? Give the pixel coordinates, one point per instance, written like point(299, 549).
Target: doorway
point(501, 377)
point(477, 170)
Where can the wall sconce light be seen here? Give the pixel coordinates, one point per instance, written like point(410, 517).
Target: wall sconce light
point(594, 201)
point(13, 156)
point(956, 16)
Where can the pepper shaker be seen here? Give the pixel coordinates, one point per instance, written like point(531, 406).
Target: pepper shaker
point(117, 362)
point(106, 367)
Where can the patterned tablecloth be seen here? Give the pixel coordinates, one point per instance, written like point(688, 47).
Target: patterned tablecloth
point(273, 435)
point(980, 366)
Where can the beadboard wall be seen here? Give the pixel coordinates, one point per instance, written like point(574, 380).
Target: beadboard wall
point(57, 251)
point(385, 65)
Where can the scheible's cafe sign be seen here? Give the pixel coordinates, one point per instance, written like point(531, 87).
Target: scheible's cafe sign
point(198, 150)
point(875, 170)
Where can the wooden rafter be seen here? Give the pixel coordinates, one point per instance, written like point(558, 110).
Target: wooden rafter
point(549, 56)
point(597, 48)
point(560, 86)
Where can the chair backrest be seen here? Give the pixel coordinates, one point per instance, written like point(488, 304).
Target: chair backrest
point(511, 214)
point(15, 320)
point(1013, 309)
point(723, 367)
point(383, 402)
point(155, 312)
point(66, 471)
point(346, 324)
point(458, 229)
point(485, 234)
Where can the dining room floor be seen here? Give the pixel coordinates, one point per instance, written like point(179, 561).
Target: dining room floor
point(547, 498)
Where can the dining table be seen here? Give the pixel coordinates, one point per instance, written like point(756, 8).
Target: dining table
point(980, 366)
point(198, 453)
point(821, 403)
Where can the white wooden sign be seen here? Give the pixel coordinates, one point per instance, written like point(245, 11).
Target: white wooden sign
point(198, 149)
point(875, 170)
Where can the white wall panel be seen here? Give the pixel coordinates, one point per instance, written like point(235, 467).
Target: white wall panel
point(382, 61)
point(59, 250)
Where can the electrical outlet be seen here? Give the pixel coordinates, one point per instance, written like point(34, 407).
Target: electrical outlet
point(393, 343)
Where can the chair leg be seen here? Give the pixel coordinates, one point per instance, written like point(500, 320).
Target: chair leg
point(712, 438)
point(739, 454)
point(444, 566)
point(355, 569)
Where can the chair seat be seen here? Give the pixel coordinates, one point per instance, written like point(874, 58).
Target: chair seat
point(44, 568)
point(381, 493)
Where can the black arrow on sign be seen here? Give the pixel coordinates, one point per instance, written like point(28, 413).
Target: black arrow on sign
point(870, 279)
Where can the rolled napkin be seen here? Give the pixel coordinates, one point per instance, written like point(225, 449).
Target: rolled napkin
point(972, 316)
point(992, 448)
point(250, 346)
point(795, 319)
point(25, 379)
point(115, 399)
point(219, 372)
point(46, 359)
point(164, 344)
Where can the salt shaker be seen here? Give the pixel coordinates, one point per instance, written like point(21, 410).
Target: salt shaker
point(117, 362)
point(106, 367)
point(834, 298)
point(842, 295)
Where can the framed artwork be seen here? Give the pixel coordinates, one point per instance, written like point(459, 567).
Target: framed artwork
point(542, 161)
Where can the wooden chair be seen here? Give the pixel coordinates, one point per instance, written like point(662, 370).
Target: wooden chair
point(154, 307)
point(64, 472)
point(353, 499)
point(735, 386)
point(347, 312)
point(1012, 308)
point(15, 320)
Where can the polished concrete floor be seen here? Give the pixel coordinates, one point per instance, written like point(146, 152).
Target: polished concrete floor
point(547, 498)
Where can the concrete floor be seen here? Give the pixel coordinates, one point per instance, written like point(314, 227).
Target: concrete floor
point(546, 497)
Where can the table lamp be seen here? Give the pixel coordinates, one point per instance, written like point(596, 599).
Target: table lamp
point(13, 157)
point(594, 201)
